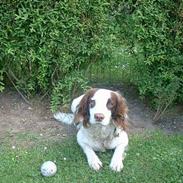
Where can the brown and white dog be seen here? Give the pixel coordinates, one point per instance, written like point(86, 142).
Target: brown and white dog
point(101, 117)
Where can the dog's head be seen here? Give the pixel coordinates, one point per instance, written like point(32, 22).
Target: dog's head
point(102, 106)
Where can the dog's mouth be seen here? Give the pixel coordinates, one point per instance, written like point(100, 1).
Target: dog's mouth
point(104, 123)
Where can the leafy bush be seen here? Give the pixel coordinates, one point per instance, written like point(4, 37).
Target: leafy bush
point(46, 46)
point(42, 43)
point(153, 30)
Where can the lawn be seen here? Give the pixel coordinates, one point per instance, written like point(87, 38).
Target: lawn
point(152, 157)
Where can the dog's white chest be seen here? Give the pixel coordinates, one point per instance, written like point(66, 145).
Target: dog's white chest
point(100, 132)
point(98, 137)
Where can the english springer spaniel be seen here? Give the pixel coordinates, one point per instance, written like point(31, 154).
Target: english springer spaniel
point(101, 118)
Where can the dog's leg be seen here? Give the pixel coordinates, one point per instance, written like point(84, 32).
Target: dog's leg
point(86, 144)
point(120, 144)
point(117, 159)
point(93, 160)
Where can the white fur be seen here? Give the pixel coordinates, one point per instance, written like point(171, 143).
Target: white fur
point(64, 117)
point(101, 97)
point(68, 118)
point(75, 103)
point(99, 136)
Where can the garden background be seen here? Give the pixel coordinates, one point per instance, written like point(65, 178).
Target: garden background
point(52, 51)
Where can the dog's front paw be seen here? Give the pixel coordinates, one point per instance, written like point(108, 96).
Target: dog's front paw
point(116, 165)
point(95, 163)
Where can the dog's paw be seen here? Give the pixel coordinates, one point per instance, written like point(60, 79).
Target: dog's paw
point(116, 165)
point(94, 163)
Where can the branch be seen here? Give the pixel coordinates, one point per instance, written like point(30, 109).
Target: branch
point(17, 88)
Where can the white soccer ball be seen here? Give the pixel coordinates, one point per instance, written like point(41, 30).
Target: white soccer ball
point(48, 169)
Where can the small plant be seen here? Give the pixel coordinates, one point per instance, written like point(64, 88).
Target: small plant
point(1, 81)
point(68, 88)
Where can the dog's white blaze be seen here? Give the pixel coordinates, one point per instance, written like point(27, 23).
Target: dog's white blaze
point(101, 97)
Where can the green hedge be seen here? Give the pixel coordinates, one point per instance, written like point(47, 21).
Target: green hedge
point(153, 30)
point(43, 44)
point(46, 46)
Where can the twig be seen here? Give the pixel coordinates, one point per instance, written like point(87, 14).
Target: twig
point(17, 89)
point(52, 75)
point(161, 110)
point(158, 111)
point(44, 95)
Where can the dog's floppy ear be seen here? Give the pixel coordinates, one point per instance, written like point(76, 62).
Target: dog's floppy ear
point(119, 110)
point(82, 114)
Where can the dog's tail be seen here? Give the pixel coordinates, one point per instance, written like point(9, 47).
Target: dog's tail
point(66, 118)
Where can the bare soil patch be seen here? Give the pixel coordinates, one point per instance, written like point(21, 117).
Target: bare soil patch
point(18, 117)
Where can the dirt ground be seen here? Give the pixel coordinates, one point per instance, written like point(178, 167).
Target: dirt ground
point(18, 117)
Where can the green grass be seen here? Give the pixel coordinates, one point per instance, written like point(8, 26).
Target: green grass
point(151, 158)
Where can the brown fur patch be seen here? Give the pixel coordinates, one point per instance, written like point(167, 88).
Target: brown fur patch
point(119, 110)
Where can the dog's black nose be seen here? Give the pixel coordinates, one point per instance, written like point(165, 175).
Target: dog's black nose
point(99, 116)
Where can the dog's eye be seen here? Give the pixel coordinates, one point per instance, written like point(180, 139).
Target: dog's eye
point(92, 103)
point(110, 104)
